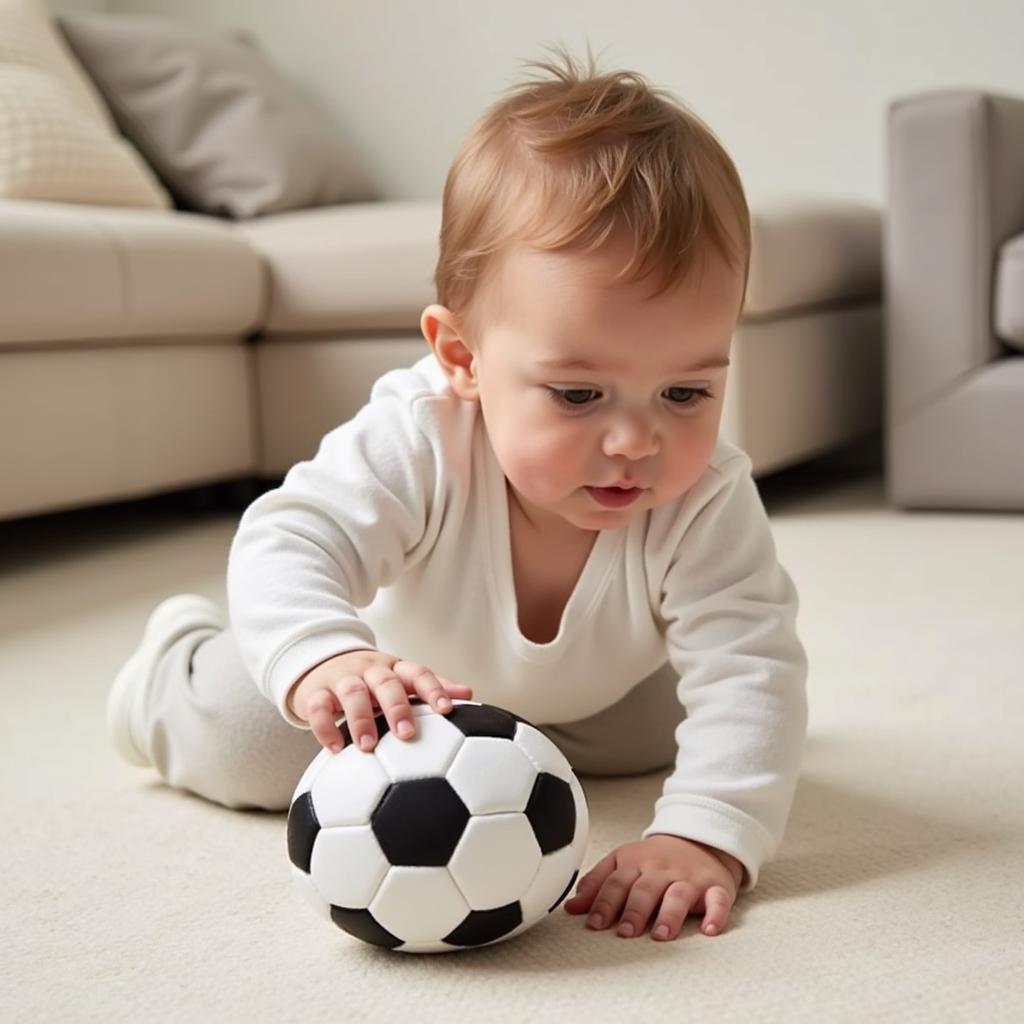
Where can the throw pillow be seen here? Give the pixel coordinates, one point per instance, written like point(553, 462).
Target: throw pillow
point(225, 132)
point(57, 140)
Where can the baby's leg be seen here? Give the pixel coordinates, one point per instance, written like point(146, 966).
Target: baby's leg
point(207, 729)
point(634, 736)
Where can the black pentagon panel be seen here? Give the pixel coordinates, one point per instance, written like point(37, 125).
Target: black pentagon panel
point(380, 721)
point(568, 889)
point(419, 822)
point(480, 926)
point(303, 827)
point(552, 812)
point(363, 925)
point(483, 720)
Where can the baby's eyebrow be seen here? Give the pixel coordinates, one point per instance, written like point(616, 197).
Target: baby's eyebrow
point(577, 363)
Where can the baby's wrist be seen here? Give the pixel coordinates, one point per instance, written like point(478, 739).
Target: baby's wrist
point(735, 867)
point(323, 673)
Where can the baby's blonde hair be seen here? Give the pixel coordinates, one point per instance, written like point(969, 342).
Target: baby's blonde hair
point(567, 160)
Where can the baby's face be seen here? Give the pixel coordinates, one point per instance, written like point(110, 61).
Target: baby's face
point(585, 383)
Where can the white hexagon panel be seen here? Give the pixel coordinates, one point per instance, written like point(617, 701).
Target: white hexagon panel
point(419, 904)
point(348, 865)
point(496, 860)
point(348, 787)
point(492, 775)
point(427, 754)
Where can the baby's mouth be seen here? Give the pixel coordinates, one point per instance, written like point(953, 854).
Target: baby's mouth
point(615, 497)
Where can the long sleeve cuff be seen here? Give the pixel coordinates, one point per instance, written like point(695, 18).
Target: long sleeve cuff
point(715, 824)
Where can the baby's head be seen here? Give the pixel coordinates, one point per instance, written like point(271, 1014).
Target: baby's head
point(595, 242)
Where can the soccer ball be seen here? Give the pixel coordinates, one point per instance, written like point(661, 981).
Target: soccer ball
point(468, 834)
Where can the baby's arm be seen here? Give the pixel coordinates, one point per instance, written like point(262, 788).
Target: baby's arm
point(730, 610)
point(309, 553)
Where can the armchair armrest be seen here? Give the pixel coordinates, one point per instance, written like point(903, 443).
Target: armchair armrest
point(956, 193)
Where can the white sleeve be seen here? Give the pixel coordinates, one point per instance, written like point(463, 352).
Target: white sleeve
point(730, 610)
point(339, 527)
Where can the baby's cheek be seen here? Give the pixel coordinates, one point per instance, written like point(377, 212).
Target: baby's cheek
point(543, 468)
point(693, 456)
point(689, 460)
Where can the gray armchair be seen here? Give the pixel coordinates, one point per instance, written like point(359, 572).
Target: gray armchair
point(954, 284)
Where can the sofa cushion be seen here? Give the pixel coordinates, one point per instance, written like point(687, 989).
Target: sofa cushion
point(810, 253)
point(57, 139)
point(1009, 293)
point(363, 265)
point(77, 273)
point(371, 265)
point(226, 133)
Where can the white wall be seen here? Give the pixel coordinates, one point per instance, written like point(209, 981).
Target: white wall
point(797, 90)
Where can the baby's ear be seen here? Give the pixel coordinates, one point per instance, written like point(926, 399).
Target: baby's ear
point(440, 327)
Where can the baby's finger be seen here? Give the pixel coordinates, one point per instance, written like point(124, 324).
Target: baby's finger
point(643, 897)
point(611, 896)
point(458, 690)
point(390, 693)
point(717, 904)
point(321, 712)
point(355, 700)
point(588, 885)
point(425, 683)
point(675, 905)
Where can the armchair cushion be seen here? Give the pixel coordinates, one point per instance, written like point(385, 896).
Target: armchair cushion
point(1009, 297)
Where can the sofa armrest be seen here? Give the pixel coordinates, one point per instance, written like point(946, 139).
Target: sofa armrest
point(956, 193)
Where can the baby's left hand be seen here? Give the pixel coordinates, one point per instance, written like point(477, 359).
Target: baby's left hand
point(676, 873)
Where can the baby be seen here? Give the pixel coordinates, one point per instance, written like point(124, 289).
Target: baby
point(538, 512)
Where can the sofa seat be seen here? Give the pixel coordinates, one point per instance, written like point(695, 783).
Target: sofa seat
point(73, 274)
point(354, 267)
point(124, 367)
point(812, 253)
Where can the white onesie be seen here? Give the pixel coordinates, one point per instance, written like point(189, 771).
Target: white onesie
point(395, 536)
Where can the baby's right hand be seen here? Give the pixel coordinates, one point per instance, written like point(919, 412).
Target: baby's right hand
point(351, 683)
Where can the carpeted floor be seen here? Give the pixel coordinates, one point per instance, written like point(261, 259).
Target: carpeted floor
point(897, 896)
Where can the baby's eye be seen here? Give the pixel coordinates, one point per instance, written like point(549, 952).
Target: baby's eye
point(574, 397)
point(687, 396)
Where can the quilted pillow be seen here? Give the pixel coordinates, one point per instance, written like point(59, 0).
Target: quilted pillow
point(57, 140)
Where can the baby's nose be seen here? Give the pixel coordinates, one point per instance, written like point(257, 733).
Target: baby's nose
point(632, 438)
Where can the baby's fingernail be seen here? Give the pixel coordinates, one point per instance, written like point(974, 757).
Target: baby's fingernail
point(366, 743)
point(661, 932)
point(710, 929)
point(595, 920)
point(405, 729)
point(335, 748)
point(444, 702)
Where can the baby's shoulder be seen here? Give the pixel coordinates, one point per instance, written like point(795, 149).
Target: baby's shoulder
point(424, 379)
point(424, 394)
point(728, 460)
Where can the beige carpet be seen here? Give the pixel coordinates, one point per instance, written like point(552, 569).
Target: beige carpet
point(898, 894)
